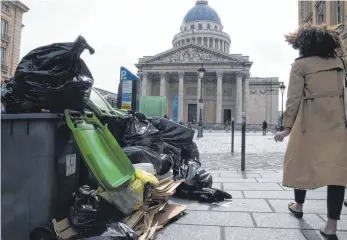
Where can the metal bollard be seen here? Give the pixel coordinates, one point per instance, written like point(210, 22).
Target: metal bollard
point(232, 135)
point(243, 142)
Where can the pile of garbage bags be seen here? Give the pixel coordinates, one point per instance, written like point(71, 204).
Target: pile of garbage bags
point(52, 78)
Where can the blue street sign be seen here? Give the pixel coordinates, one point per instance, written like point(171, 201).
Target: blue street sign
point(201, 100)
point(125, 74)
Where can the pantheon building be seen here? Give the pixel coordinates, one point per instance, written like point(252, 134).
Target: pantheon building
point(227, 88)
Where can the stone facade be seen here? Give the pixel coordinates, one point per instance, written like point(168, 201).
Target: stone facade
point(226, 87)
point(11, 31)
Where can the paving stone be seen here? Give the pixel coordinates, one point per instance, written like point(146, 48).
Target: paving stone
point(311, 206)
point(222, 171)
point(217, 219)
point(258, 171)
point(217, 185)
point(315, 235)
point(322, 189)
point(269, 194)
point(252, 186)
point(244, 205)
point(234, 180)
point(189, 232)
point(342, 224)
point(262, 234)
point(236, 194)
point(239, 175)
point(270, 180)
point(285, 220)
point(214, 175)
point(318, 195)
point(271, 175)
point(191, 205)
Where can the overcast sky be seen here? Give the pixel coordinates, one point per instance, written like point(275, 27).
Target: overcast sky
point(121, 31)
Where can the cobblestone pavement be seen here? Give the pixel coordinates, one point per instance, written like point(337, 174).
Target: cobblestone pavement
point(258, 210)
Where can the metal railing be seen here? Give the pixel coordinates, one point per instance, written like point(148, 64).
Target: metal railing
point(5, 8)
point(5, 37)
point(4, 68)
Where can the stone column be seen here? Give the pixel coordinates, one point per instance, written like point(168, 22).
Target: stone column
point(238, 96)
point(163, 84)
point(180, 96)
point(208, 42)
point(214, 43)
point(219, 101)
point(197, 99)
point(245, 93)
point(144, 84)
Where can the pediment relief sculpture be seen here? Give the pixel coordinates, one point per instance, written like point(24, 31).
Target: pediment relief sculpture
point(191, 55)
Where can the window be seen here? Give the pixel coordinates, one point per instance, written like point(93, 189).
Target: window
point(5, 8)
point(339, 13)
point(192, 27)
point(215, 27)
point(200, 26)
point(3, 56)
point(208, 26)
point(320, 8)
point(4, 28)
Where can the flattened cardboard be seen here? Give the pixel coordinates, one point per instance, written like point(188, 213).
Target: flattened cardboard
point(170, 211)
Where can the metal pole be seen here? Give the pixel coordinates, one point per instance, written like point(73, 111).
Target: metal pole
point(282, 114)
point(200, 135)
point(243, 142)
point(232, 135)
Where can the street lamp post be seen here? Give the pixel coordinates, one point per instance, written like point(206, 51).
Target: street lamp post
point(282, 88)
point(201, 73)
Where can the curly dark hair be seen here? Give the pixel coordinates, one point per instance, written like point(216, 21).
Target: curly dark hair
point(318, 40)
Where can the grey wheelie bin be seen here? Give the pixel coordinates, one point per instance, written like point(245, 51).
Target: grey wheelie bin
point(39, 172)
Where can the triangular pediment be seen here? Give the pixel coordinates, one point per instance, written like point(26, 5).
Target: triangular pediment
point(190, 53)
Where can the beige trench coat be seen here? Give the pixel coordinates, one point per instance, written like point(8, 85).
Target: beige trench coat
point(316, 155)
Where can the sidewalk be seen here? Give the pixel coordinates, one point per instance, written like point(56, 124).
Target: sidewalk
point(258, 210)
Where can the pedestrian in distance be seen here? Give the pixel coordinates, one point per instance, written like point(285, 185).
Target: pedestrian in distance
point(264, 128)
point(315, 118)
point(181, 123)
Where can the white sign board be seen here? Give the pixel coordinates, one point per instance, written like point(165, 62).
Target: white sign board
point(70, 164)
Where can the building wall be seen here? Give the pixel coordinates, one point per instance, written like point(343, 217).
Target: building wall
point(11, 13)
point(327, 11)
point(263, 101)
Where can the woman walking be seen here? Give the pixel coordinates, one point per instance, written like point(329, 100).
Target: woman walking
point(316, 155)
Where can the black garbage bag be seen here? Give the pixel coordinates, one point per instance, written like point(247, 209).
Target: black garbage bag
point(140, 132)
point(141, 154)
point(206, 195)
point(191, 153)
point(174, 133)
point(117, 231)
point(175, 154)
point(90, 213)
point(52, 77)
point(194, 175)
point(166, 164)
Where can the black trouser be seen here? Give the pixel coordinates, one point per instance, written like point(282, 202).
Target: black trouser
point(336, 195)
point(264, 131)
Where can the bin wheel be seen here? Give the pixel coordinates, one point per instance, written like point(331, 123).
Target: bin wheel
point(42, 233)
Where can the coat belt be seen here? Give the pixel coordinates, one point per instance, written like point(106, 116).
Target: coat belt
point(312, 97)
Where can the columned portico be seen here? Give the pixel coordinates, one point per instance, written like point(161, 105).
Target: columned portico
point(180, 96)
point(163, 84)
point(144, 84)
point(239, 92)
point(245, 94)
point(219, 100)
